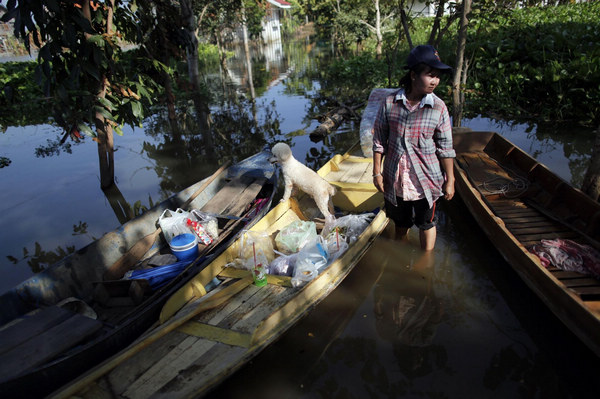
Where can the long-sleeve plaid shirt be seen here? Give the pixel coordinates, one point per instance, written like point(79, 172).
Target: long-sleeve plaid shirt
point(424, 134)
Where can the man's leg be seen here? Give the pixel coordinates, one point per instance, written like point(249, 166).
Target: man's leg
point(427, 238)
point(401, 233)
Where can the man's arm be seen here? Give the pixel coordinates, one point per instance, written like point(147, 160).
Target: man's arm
point(448, 186)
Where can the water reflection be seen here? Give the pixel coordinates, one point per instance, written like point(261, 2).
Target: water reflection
point(407, 310)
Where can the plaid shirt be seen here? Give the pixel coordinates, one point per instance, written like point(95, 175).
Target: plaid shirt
point(425, 135)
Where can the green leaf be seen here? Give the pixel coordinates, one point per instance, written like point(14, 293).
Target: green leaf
point(104, 112)
point(136, 108)
point(86, 129)
point(106, 103)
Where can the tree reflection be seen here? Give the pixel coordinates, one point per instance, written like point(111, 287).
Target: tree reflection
point(39, 259)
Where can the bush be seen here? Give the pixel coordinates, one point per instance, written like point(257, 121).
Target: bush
point(542, 63)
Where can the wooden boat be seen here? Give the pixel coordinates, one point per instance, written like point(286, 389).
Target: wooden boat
point(543, 207)
point(46, 341)
point(213, 335)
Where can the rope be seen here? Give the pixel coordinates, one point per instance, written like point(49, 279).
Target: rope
point(509, 187)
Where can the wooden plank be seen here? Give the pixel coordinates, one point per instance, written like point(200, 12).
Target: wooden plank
point(530, 224)
point(165, 369)
point(132, 369)
point(587, 293)
point(227, 195)
point(564, 274)
point(349, 172)
point(194, 381)
point(250, 322)
point(31, 325)
point(581, 282)
point(182, 356)
point(216, 315)
point(217, 334)
point(524, 219)
point(509, 205)
point(247, 307)
point(549, 236)
point(47, 345)
point(515, 213)
point(155, 335)
point(536, 230)
point(137, 366)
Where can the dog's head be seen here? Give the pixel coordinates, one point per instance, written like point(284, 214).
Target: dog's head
point(281, 153)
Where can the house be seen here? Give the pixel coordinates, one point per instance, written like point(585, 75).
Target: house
point(425, 8)
point(271, 23)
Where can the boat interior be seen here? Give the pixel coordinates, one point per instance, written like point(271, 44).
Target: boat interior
point(532, 202)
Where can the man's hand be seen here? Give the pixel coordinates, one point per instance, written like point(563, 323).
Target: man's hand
point(378, 182)
point(448, 189)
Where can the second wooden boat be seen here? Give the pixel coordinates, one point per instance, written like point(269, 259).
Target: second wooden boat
point(78, 312)
point(213, 335)
point(519, 202)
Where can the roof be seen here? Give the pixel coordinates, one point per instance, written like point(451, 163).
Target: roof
point(280, 3)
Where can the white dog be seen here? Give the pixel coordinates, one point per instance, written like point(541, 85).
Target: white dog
point(298, 175)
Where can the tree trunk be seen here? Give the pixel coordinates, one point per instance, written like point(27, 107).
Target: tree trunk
point(378, 49)
point(247, 51)
point(104, 131)
point(189, 24)
point(591, 181)
point(404, 20)
point(331, 122)
point(117, 202)
point(433, 37)
point(461, 66)
point(200, 103)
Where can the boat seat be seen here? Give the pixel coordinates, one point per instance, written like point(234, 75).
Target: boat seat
point(38, 337)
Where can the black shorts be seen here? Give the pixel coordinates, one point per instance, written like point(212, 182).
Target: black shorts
point(409, 213)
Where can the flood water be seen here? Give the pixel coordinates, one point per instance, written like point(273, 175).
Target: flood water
point(456, 324)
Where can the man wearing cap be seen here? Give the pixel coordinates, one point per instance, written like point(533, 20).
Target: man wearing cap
point(414, 133)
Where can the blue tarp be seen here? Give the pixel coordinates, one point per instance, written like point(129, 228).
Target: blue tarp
point(160, 275)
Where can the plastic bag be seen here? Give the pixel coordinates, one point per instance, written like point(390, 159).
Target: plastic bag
point(311, 259)
point(283, 265)
point(336, 244)
point(201, 233)
point(350, 225)
point(294, 236)
point(304, 272)
point(173, 223)
point(252, 243)
point(208, 222)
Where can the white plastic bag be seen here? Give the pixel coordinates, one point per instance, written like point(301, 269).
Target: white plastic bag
point(252, 243)
point(350, 226)
point(336, 244)
point(283, 265)
point(311, 259)
point(294, 236)
point(173, 224)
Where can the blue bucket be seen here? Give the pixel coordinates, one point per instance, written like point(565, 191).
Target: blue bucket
point(185, 246)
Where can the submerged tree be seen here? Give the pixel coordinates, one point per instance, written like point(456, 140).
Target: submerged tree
point(79, 66)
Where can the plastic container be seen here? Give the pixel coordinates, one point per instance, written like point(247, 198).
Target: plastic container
point(185, 246)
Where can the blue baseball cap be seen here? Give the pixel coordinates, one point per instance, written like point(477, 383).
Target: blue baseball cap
point(425, 54)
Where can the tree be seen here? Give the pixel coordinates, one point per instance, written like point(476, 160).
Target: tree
point(79, 66)
point(462, 66)
point(377, 26)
